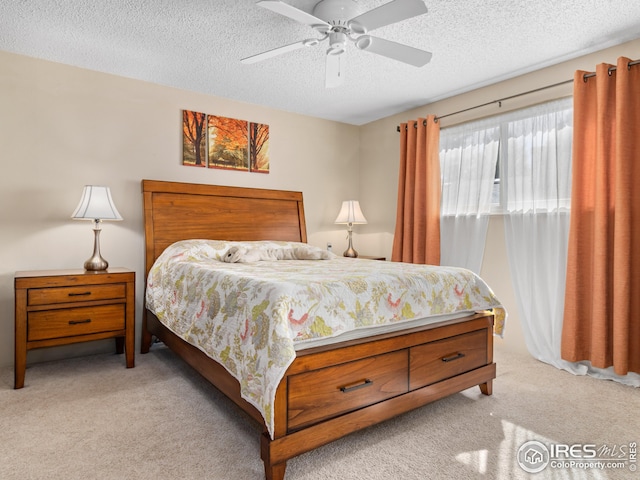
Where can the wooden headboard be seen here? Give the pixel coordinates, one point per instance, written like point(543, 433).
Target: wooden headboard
point(180, 211)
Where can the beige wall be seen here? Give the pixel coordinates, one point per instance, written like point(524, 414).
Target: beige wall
point(63, 127)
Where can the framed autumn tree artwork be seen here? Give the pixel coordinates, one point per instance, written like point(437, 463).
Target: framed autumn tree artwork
point(259, 147)
point(226, 143)
point(194, 140)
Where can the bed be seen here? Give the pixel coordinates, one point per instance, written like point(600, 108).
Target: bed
point(329, 390)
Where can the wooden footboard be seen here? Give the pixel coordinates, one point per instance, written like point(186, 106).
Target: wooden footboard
point(329, 392)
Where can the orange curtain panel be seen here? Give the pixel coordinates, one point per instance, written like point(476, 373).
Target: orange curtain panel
point(602, 300)
point(417, 233)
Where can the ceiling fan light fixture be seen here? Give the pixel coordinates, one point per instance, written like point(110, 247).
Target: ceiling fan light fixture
point(324, 29)
point(311, 42)
point(337, 39)
point(357, 28)
point(364, 42)
point(336, 50)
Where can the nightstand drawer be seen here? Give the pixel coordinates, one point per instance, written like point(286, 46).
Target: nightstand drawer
point(81, 293)
point(328, 392)
point(435, 361)
point(68, 322)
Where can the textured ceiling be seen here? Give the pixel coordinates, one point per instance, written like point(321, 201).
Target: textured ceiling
point(197, 44)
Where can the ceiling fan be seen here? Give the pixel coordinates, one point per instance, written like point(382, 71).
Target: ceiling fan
point(339, 21)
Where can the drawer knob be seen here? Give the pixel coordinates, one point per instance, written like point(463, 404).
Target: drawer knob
point(356, 386)
point(451, 358)
point(78, 322)
point(79, 294)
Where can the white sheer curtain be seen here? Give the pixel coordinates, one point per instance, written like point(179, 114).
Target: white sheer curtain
point(536, 195)
point(468, 156)
point(534, 148)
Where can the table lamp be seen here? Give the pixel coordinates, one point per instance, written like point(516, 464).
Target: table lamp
point(96, 204)
point(350, 214)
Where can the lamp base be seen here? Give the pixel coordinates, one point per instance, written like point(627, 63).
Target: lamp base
point(350, 251)
point(96, 263)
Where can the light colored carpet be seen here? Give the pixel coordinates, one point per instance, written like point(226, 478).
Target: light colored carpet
point(91, 418)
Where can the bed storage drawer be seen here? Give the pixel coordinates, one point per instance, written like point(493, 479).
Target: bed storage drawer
point(435, 361)
point(328, 392)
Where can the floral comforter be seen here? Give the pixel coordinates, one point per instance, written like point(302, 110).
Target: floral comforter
point(249, 316)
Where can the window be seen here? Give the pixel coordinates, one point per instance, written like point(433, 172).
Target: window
point(476, 157)
point(514, 164)
point(468, 160)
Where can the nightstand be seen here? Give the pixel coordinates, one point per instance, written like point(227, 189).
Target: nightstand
point(369, 257)
point(59, 307)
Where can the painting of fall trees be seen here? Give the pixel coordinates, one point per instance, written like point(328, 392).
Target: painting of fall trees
point(226, 143)
point(259, 147)
point(194, 140)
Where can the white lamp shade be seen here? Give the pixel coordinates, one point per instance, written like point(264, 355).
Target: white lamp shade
point(350, 213)
point(96, 204)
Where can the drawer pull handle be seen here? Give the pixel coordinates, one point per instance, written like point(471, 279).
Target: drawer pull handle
point(351, 388)
point(80, 294)
point(451, 358)
point(78, 322)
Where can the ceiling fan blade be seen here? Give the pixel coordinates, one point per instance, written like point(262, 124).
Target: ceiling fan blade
point(294, 13)
point(394, 50)
point(334, 70)
point(392, 12)
point(280, 50)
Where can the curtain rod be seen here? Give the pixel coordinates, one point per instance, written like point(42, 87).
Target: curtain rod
point(610, 69)
point(499, 101)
